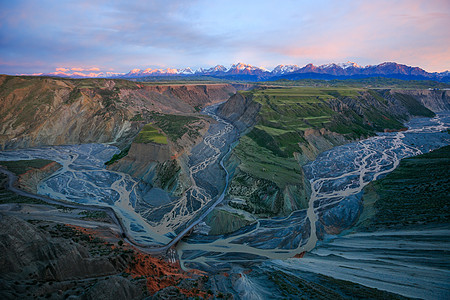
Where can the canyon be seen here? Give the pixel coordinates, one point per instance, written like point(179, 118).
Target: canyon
point(234, 162)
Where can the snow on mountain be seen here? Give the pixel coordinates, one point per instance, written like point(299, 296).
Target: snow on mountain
point(344, 66)
point(212, 70)
point(186, 71)
point(249, 72)
point(284, 69)
point(244, 69)
point(153, 72)
point(349, 64)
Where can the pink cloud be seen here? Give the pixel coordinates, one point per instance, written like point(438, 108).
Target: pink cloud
point(78, 74)
point(410, 32)
point(85, 69)
point(62, 70)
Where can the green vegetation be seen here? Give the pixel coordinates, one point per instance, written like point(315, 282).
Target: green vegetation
point(7, 196)
point(262, 163)
point(296, 119)
point(35, 95)
point(22, 166)
point(223, 222)
point(379, 95)
point(413, 106)
point(306, 94)
point(150, 134)
point(94, 215)
point(287, 112)
point(416, 193)
point(372, 82)
point(175, 126)
point(167, 174)
point(118, 156)
point(137, 117)
point(316, 286)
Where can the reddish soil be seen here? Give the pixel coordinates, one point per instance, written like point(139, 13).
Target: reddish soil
point(158, 272)
point(300, 255)
point(396, 130)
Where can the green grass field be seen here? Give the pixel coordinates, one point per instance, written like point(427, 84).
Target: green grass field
point(287, 112)
point(372, 82)
point(260, 162)
point(417, 193)
point(175, 126)
point(150, 134)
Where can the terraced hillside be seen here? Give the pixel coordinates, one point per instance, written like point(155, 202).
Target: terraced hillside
point(287, 127)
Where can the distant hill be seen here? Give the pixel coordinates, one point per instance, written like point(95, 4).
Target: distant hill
point(241, 71)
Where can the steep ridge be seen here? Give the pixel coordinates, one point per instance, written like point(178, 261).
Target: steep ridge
point(435, 100)
point(288, 127)
point(37, 111)
point(41, 258)
point(165, 165)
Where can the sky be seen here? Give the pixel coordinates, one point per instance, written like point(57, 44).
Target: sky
point(43, 36)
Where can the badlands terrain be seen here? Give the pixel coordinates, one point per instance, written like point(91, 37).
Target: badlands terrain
point(215, 188)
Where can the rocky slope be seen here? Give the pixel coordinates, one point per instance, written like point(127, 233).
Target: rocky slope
point(165, 165)
point(435, 100)
point(37, 111)
point(288, 127)
point(30, 172)
point(29, 180)
point(241, 111)
point(44, 259)
point(31, 255)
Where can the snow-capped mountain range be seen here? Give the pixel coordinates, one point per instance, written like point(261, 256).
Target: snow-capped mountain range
point(253, 73)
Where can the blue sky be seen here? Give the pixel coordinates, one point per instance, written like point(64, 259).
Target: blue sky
point(41, 36)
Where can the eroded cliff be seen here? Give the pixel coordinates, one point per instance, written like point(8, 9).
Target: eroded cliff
point(433, 99)
point(36, 111)
point(288, 127)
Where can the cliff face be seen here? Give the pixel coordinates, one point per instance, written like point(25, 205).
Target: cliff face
point(287, 128)
point(30, 180)
point(196, 95)
point(26, 250)
point(49, 260)
point(241, 111)
point(435, 100)
point(37, 111)
point(165, 165)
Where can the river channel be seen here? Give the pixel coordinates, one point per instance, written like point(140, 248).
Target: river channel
point(337, 178)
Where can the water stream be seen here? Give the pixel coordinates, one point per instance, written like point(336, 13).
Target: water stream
point(337, 178)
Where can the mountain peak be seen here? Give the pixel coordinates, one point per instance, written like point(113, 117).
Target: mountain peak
point(349, 64)
point(245, 69)
point(284, 69)
point(250, 72)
